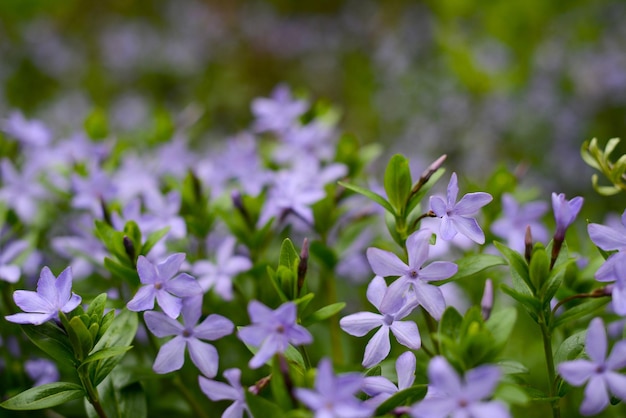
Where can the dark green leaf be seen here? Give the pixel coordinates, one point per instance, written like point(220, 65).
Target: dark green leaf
point(501, 325)
point(280, 394)
point(398, 182)
point(126, 273)
point(96, 307)
point(323, 313)
point(106, 353)
point(83, 342)
point(403, 397)
point(476, 263)
point(153, 239)
point(52, 341)
point(571, 348)
point(519, 269)
point(371, 195)
point(44, 396)
point(539, 268)
point(261, 407)
point(579, 311)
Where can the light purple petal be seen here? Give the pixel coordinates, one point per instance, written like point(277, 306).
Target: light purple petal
point(298, 335)
point(434, 408)
point(204, 356)
point(385, 263)
point(10, 273)
point(258, 312)
point(469, 227)
point(170, 266)
point(72, 303)
point(146, 270)
point(252, 335)
point(471, 203)
point(286, 312)
point(29, 318)
point(596, 397)
point(374, 385)
point(405, 369)
point(607, 238)
point(616, 383)
point(170, 304)
point(417, 246)
point(233, 376)
point(63, 285)
point(407, 334)
point(46, 287)
point(617, 358)
point(494, 409)
point(576, 372)
point(191, 310)
point(217, 391)
point(235, 410)
point(309, 397)
point(270, 346)
point(431, 298)
point(443, 377)
point(213, 327)
point(377, 348)
point(453, 190)
point(447, 229)
point(595, 341)
point(438, 205)
point(360, 323)
point(143, 299)
point(171, 356)
point(29, 301)
point(481, 382)
point(162, 325)
point(183, 286)
point(376, 290)
point(438, 270)
point(394, 299)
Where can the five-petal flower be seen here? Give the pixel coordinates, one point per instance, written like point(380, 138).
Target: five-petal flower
point(52, 295)
point(218, 391)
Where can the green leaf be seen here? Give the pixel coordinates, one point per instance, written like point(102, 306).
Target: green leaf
point(539, 268)
point(106, 353)
point(261, 407)
point(519, 269)
point(96, 307)
point(571, 348)
point(44, 396)
point(323, 313)
point(80, 337)
point(127, 274)
point(371, 195)
point(579, 311)
point(279, 389)
point(512, 367)
point(403, 397)
point(153, 239)
point(112, 239)
point(119, 334)
point(475, 264)
point(398, 182)
point(511, 394)
point(532, 305)
point(501, 324)
point(416, 198)
point(132, 231)
point(52, 341)
point(323, 253)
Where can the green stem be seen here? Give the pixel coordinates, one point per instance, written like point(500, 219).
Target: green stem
point(547, 348)
point(92, 393)
point(335, 330)
point(198, 410)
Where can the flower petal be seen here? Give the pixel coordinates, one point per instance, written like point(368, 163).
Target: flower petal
point(443, 377)
point(213, 327)
point(374, 385)
point(162, 325)
point(417, 246)
point(71, 304)
point(376, 290)
point(471, 203)
point(360, 323)
point(204, 356)
point(405, 369)
point(168, 268)
point(143, 299)
point(617, 358)
point(431, 298)
point(29, 318)
point(481, 382)
point(385, 263)
point(171, 356)
point(46, 288)
point(183, 286)
point(407, 334)
point(170, 304)
point(469, 227)
point(596, 396)
point(595, 341)
point(607, 238)
point(270, 346)
point(576, 372)
point(438, 270)
point(438, 205)
point(217, 391)
point(377, 348)
point(493, 409)
point(447, 229)
point(63, 286)
point(29, 301)
point(146, 270)
point(616, 383)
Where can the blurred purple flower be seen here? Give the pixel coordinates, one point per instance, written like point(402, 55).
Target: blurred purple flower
point(21, 191)
point(413, 277)
point(188, 335)
point(52, 295)
point(11, 272)
point(334, 395)
point(219, 275)
point(41, 371)
point(272, 331)
point(91, 191)
point(28, 132)
point(381, 388)
point(218, 391)
point(455, 215)
point(361, 323)
point(565, 211)
point(449, 395)
point(600, 372)
point(512, 225)
point(160, 283)
point(278, 112)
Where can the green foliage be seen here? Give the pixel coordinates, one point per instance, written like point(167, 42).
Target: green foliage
point(44, 396)
point(601, 161)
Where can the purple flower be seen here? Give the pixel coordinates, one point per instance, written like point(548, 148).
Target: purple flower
point(565, 211)
point(11, 272)
point(53, 295)
point(28, 132)
point(455, 217)
point(41, 371)
point(449, 395)
point(21, 190)
point(412, 276)
point(516, 218)
point(279, 112)
point(381, 388)
point(189, 334)
point(361, 323)
point(272, 331)
point(219, 275)
point(160, 283)
point(599, 372)
point(218, 391)
point(334, 395)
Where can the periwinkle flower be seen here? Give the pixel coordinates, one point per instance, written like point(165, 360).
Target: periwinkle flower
point(565, 211)
point(162, 283)
point(272, 331)
point(361, 323)
point(219, 391)
point(219, 275)
point(381, 388)
point(456, 216)
point(278, 112)
point(28, 132)
point(516, 217)
point(413, 277)
point(188, 335)
point(21, 190)
point(450, 396)
point(11, 272)
point(600, 371)
point(333, 396)
point(41, 371)
point(52, 295)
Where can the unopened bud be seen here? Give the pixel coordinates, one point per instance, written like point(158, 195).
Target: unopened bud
point(237, 200)
point(528, 244)
point(303, 264)
point(486, 303)
point(130, 248)
point(105, 212)
point(426, 174)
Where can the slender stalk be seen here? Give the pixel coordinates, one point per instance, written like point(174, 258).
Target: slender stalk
point(547, 348)
point(197, 409)
point(92, 393)
point(335, 331)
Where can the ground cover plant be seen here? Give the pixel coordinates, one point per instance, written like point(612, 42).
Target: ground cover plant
point(278, 275)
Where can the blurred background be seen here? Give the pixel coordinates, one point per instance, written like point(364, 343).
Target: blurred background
point(517, 83)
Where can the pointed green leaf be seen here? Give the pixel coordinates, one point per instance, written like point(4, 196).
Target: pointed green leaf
point(323, 313)
point(96, 307)
point(106, 353)
point(473, 264)
point(153, 239)
point(501, 325)
point(579, 311)
point(369, 194)
point(398, 182)
point(44, 396)
point(519, 269)
point(403, 397)
point(125, 273)
point(52, 341)
point(261, 407)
